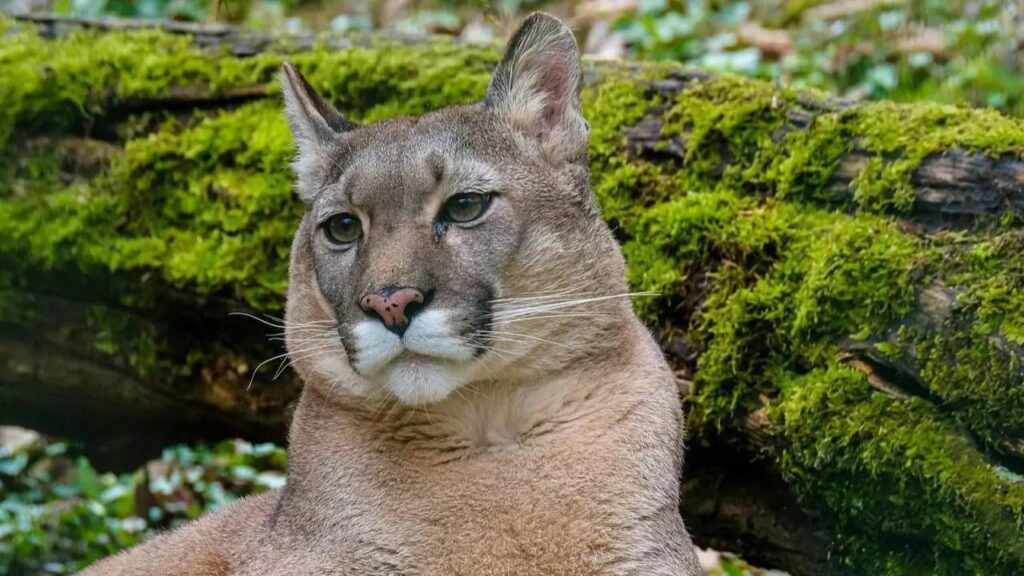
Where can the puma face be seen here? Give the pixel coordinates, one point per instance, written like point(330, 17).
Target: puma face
point(455, 247)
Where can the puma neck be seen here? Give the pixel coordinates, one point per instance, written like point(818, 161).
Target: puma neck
point(481, 417)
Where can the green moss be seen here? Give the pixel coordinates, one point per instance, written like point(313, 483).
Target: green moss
point(624, 185)
point(370, 84)
point(789, 282)
point(613, 105)
point(58, 84)
point(909, 493)
point(830, 278)
point(972, 363)
point(811, 156)
point(857, 276)
point(746, 135)
point(990, 274)
point(974, 372)
point(901, 137)
point(727, 124)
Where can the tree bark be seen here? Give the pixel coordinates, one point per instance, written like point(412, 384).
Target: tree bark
point(131, 357)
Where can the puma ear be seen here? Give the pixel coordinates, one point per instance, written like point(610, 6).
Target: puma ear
point(314, 123)
point(537, 85)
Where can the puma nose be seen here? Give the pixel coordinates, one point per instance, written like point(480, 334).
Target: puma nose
point(394, 307)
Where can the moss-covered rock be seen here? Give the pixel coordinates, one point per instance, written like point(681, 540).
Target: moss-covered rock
point(779, 228)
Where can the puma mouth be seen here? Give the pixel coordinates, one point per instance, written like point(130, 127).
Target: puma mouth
point(374, 347)
point(423, 365)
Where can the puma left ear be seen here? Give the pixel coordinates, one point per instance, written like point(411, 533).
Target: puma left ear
point(537, 86)
point(314, 123)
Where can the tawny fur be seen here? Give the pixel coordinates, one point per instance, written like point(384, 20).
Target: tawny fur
point(559, 449)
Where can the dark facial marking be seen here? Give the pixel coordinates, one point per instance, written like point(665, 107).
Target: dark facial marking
point(482, 321)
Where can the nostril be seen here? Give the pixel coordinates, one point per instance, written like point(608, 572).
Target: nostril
point(413, 308)
point(395, 307)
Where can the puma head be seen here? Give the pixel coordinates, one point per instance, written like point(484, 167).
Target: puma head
point(456, 248)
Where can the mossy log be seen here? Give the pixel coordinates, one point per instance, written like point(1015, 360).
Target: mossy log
point(840, 282)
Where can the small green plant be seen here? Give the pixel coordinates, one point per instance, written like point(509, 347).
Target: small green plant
point(946, 51)
point(59, 514)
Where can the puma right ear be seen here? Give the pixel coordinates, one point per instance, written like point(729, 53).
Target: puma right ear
point(537, 86)
point(314, 123)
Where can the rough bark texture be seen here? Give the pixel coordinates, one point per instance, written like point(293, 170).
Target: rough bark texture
point(841, 281)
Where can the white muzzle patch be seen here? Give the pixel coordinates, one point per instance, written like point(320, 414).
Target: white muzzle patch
point(422, 366)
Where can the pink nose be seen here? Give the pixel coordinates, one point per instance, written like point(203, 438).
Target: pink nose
point(393, 308)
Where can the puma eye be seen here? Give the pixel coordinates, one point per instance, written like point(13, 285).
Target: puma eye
point(465, 207)
point(342, 228)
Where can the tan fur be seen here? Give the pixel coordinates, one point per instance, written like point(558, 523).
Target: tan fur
point(558, 449)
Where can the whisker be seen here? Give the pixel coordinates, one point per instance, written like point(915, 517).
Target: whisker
point(521, 335)
point(526, 318)
point(565, 304)
point(268, 360)
point(540, 296)
point(292, 359)
point(256, 318)
point(323, 337)
point(501, 339)
point(309, 323)
point(282, 336)
point(275, 322)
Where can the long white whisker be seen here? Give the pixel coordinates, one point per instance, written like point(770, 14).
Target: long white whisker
point(560, 305)
point(492, 338)
point(275, 322)
point(521, 335)
point(539, 296)
point(309, 323)
point(526, 318)
point(296, 336)
point(292, 359)
point(311, 338)
point(268, 360)
point(256, 318)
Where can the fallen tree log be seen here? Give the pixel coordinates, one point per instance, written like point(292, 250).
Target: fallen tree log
point(840, 281)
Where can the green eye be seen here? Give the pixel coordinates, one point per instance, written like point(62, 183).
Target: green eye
point(465, 207)
point(342, 228)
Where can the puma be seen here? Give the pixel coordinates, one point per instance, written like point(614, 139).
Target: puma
point(480, 398)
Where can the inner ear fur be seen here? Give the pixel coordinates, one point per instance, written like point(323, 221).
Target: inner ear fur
point(537, 86)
